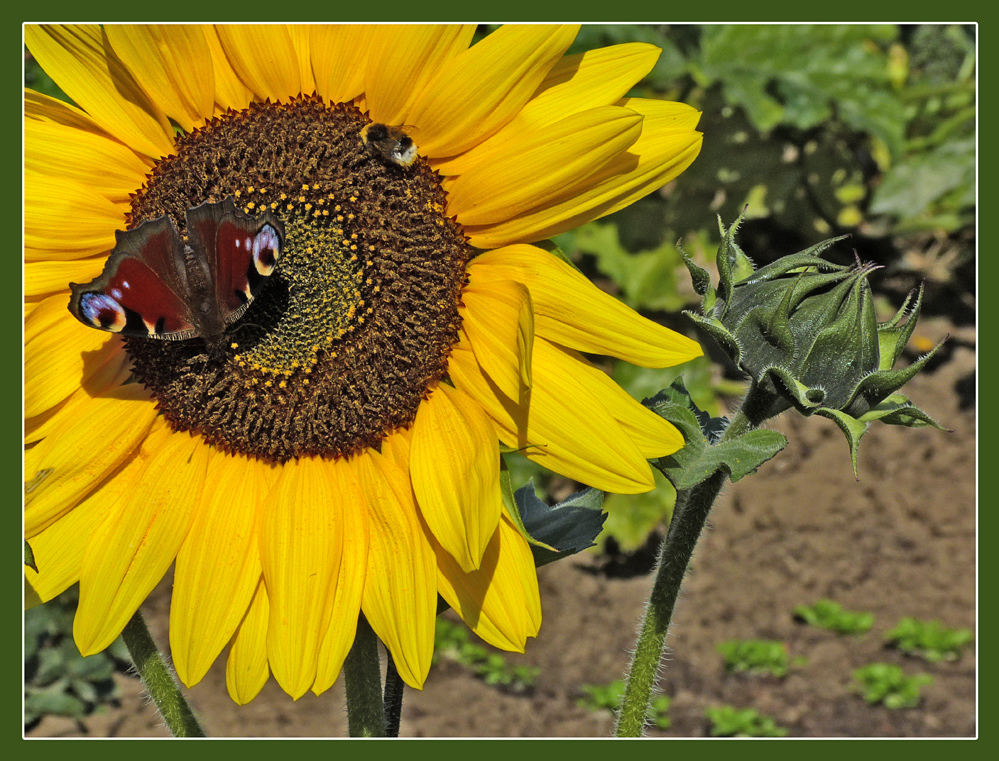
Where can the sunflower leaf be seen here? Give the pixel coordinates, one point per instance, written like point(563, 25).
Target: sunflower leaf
point(564, 529)
point(701, 457)
point(512, 508)
point(554, 532)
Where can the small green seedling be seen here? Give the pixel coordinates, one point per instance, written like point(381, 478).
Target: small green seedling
point(727, 721)
point(887, 683)
point(929, 640)
point(757, 656)
point(830, 615)
point(600, 697)
point(453, 641)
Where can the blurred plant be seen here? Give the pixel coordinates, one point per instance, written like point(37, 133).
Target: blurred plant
point(886, 683)
point(58, 681)
point(599, 697)
point(929, 640)
point(828, 614)
point(758, 657)
point(727, 721)
point(453, 641)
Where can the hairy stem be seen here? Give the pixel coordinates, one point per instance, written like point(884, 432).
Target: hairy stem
point(394, 687)
point(363, 684)
point(689, 516)
point(159, 680)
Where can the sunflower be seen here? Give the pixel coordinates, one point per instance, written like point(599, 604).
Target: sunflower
point(341, 454)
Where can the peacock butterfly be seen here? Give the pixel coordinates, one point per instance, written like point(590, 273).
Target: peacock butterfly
point(155, 285)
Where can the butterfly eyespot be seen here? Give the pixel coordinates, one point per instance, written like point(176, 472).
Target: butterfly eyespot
point(102, 311)
point(266, 250)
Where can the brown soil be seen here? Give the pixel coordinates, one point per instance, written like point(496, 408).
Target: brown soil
point(900, 542)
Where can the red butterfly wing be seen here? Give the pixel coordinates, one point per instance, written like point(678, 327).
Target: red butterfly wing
point(141, 290)
point(241, 251)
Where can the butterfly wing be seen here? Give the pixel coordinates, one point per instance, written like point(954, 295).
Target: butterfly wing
point(141, 291)
point(241, 252)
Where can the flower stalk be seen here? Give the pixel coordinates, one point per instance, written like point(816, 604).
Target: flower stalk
point(690, 513)
point(159, 680)
point(362, 681)
point(805, 333)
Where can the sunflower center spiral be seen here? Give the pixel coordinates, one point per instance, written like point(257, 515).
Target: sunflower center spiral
point(355, 326)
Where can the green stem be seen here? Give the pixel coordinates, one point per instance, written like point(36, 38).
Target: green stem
point(159, 680)
point(363, 683)
point(394, 687)
point(689, 516)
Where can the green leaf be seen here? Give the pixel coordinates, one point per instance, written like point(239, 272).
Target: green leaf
point(912, 186)
point(700, 458)
point(928, 639)
point(803, 75)
point(54, 702)
point(829, 614)
point(510, 501)
point(648, 279)
point(564, 529)
point(29, 557)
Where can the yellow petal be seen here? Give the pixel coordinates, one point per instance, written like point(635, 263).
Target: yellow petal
point(570, 310)
point(246, 670)
point(113, 373)
point(339, 57)
point(668, 145)
point(45, 278)
point(500, 601)
point(264, 58)
point(498, 318)
point(138, 541)
point(301, 541)
point(654, 436)
point(402, 60)
point(479, 90)
point(400, 586)
point(346, 600)
point(544, 167)
point(60, 548)
point(60, 355)
point(68, 465)
point(396, 448)
point(563, 427)
point(454, 464)
point(218, 566)
point(230, 92)
point(174, 65)
point(82, 63)
point(576, 83)
point(301, 35)
point(102, 164)
point(44, 108)
point(64, 219)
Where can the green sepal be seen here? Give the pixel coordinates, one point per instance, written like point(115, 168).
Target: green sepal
point(892, 336)
point(701, 457)
point(700, 278)
point(898, 410)
point(880, 384)
point(730, 261)
point(29, 557)
point(719, 333)
point(806, 399)
point(852, 428)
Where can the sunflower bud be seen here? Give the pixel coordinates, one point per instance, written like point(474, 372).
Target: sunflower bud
point(805, 331)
